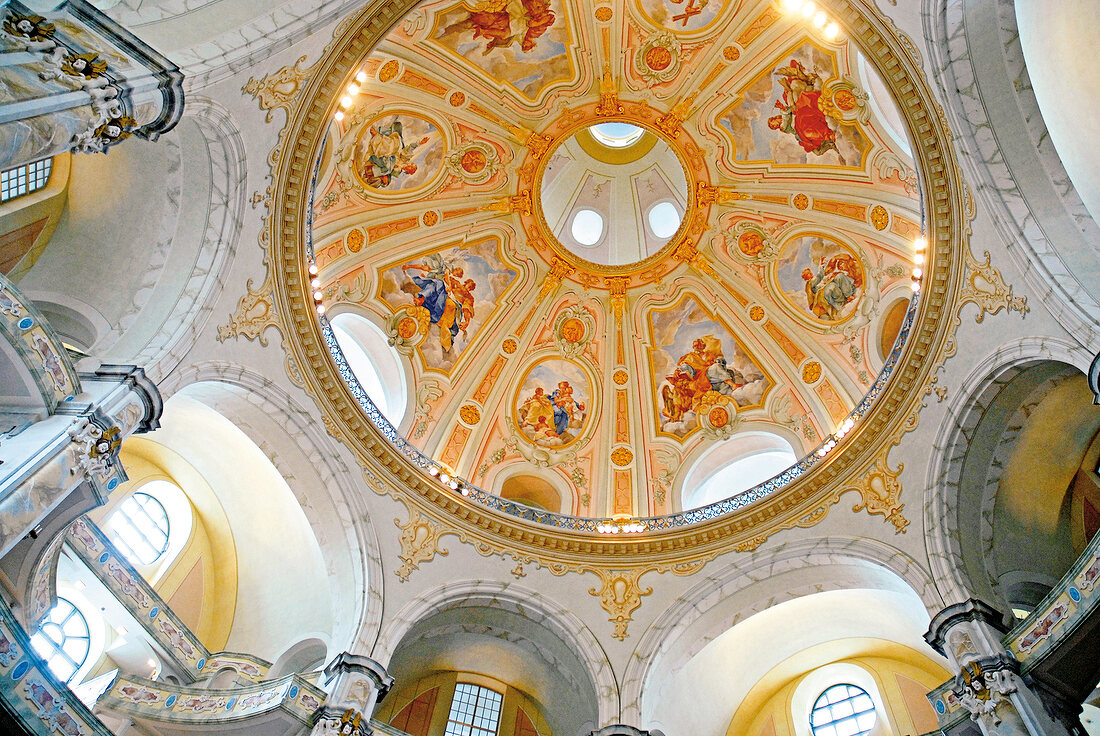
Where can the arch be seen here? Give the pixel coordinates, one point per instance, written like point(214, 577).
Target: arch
point(745, 459)
point(525, 483)
point(304, 656)
point(333, 500)
point(1038, 213)
point(378, 367)
point(772, 576)
point(959, 576)
point(531, 605)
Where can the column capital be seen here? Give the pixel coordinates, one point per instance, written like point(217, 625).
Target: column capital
point(348, 662)
point(970, 610)
point(619, 729)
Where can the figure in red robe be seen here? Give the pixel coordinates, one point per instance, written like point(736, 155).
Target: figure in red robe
point(800, 109)
point(505, 22)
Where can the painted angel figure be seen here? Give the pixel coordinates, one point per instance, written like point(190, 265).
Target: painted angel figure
point(446, 297)
point(836, 283)
point(388, 157)
point(801, 114)
point(507, 22)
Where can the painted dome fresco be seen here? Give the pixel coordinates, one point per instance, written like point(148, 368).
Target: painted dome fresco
point(615, 259)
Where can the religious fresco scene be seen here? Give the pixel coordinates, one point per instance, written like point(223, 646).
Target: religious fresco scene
point(820, 276)
point(695, 362)
point(398, 153)
point(551, 405)
point(449, 295)
point(442, 228)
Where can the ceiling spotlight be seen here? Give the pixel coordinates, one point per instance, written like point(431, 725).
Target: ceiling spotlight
point(920, 244)
point(353, 89)
point(433, 471)
point(918, 258)
point(819, 19)
point(313, 269)
point(808, 9)
point(361, 77)
point(916, 286)
point(346, 101)
point(315, 283)
point(832, 31)
point(454, 484)
point(320, 309)
point(444, 478)
point(917, 273)
point(339, 115)
point(318, 295)
point(792, 5)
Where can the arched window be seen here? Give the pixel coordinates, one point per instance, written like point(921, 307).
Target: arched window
point(374, 362)
point(139, 528)
point(587, 228)
point(475, 711)
point(24, 179)
point(736, 465)
point(63, 640)
point(843, 710)
point(664, 219)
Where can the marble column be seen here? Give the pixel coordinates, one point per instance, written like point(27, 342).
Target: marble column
point(355, 684)
point(988, 682)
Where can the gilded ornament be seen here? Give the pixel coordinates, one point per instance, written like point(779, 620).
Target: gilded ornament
point(879, 217)
point(279, 89)
point(731, 53)
point(756, 313)
point(609, 95)
point(845, 100)
point(430, 218)
point(620, 595)
point(622, 456)
point(572, 330)
point(419, 543)
point(388, 72)
point(456, 99)
point(255, 313)
point(473, 161)
point(881, 491)
point(620, 377)
point(751, 243)
point(811, 372)
point(355, 240)
point(469, 414)
point(801, 201)
point(658, 58)
point(509, 346)
point(603, 14)
point(33, 27)
point(407, 327)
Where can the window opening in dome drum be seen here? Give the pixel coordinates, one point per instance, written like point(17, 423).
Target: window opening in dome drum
point(587, 227)
point(616, 135)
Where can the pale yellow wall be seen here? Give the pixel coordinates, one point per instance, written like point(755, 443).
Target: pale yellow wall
point(769, 708)
point(208, 609)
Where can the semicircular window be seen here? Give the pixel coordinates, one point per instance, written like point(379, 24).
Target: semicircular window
point(139, 528)
point(63, 640)
point(587, 228)
point(741, 462)
point(374, 362)
point(843, 710)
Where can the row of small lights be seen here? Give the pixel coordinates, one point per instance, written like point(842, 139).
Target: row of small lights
point(352, 91)
point(810, 11)
point(919, 246)
point(315, 283)
point(446, 479)
point(620, 525)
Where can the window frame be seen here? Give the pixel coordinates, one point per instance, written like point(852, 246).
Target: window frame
point(122, 512)
point(819, 729)
point(19, 181)
point(57, 647)
point(470, 727)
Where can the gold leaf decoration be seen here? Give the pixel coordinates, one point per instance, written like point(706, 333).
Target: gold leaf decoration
point(255, 313)
point(620, 595)
point(881, 491)
point(985, 287)
point(281, 89)
point(419, 543)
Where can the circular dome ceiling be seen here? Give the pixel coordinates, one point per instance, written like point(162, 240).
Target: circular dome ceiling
point(602, 364)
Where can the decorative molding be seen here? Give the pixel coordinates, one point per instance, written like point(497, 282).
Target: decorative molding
point(279, 89)
point(881, 491)
point(419, 542)
point(620, 595)
point(255, 313)
point(985, 287)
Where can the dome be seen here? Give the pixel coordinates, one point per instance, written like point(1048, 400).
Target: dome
point(598, 263)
